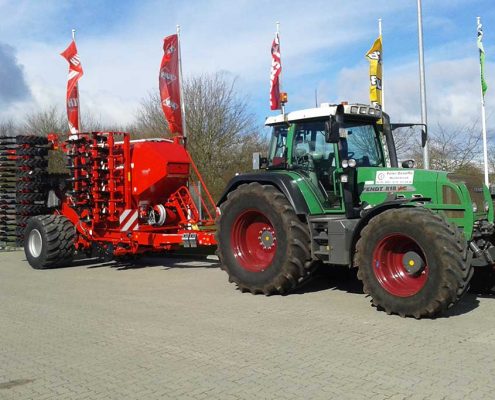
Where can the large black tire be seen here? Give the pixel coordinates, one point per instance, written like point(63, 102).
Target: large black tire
point(413, 262)
point(25, 198)
point(31, 139)
point(49, 241)
point(30, 209)
point(30, 186)
point(262, 244)
point(32, 174)
point(32, 162)
point(32, 151)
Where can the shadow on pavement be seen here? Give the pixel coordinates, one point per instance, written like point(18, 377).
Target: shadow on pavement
point(324, 277)
point(468, 303)
point(332, 278)
point(166, 262)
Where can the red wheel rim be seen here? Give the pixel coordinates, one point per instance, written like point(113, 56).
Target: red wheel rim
point(396, 271)
point(253, 241)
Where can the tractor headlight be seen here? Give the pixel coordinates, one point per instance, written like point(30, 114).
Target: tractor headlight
point(345, 163)
point(487, 206)
point(352, 162)
point(475, 207)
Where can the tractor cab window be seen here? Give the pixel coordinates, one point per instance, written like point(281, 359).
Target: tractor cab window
point(361, 143)
point(278, 146)
point(312, 154)
point(310, 145)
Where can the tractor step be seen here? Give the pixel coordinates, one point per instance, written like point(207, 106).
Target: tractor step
point(332, 238)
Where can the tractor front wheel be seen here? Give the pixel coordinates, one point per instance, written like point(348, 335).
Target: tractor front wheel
point(262, 244)
point(49, 241)
point(412, 262)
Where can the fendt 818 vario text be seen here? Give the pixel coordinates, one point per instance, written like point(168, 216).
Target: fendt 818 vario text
point(125, 197)
point(332, 193)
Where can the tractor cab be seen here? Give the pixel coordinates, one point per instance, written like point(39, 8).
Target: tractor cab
point(326, 144)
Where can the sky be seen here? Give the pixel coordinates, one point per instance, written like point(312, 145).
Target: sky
point(323, 46)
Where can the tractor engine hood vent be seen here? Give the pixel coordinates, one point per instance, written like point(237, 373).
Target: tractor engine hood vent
point(475, 187)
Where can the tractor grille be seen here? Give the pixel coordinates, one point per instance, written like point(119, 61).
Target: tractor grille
point(475, 187)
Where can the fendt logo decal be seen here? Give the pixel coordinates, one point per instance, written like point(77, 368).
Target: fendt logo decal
point(389, 188)
point(129, 220)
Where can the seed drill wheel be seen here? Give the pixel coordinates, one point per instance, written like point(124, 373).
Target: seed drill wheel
point(263, 246)
point(49, 241)
point(413, 262)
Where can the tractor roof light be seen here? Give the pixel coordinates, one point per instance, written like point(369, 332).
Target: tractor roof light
point(363, 110)
point(354, 109)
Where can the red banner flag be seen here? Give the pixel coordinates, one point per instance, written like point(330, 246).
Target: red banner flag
point(275, 74)
point(170, 84)
point(75, 73)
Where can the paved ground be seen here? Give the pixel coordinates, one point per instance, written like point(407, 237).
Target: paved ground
point(177, 329)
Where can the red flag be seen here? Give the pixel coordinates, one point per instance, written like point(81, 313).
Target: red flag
point(170, 84)
point(275, 74)
point(75, 72)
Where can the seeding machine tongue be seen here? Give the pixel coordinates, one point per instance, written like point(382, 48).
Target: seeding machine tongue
point(23, 184)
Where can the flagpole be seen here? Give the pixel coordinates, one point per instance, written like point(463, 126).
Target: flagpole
point(381, 56)
point(182, 105)
point(280, 76)
point(483, 119)
point(78, 98)
point(422, 85)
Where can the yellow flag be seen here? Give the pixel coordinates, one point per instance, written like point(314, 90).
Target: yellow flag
point(374, 56)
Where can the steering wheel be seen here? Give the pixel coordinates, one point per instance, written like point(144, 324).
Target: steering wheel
point(304, 159)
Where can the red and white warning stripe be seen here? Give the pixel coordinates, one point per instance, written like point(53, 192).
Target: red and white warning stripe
point(129, 220)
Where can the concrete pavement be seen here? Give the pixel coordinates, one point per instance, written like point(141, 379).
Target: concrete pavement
point(176, 329)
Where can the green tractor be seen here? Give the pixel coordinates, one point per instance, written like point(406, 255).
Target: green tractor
point(332, 193)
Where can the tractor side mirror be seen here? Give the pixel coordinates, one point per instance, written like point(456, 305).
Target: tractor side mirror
point(332, 126)
point(259, 162)
point(408, 164)
point(332, 130)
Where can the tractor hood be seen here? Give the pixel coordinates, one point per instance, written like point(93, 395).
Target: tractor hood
point(463, 199)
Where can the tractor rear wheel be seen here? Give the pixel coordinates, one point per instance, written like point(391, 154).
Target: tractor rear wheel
point(413, 262)
point(262, 244)
point(49, 241)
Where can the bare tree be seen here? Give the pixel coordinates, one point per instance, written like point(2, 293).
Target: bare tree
point(53, 120)
point(44, 122)
point(220, 128)
point(450, 149)
point(221, 132)
point(150, 121)
point(8, 128)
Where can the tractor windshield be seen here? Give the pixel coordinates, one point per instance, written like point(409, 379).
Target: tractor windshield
point(361, 143)
point(278, 146)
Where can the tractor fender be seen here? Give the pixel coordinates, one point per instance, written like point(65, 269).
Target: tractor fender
point(282, 182)
point(369, 213)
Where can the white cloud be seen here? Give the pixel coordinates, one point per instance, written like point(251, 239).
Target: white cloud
point(453, 91)
point(121, 64)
